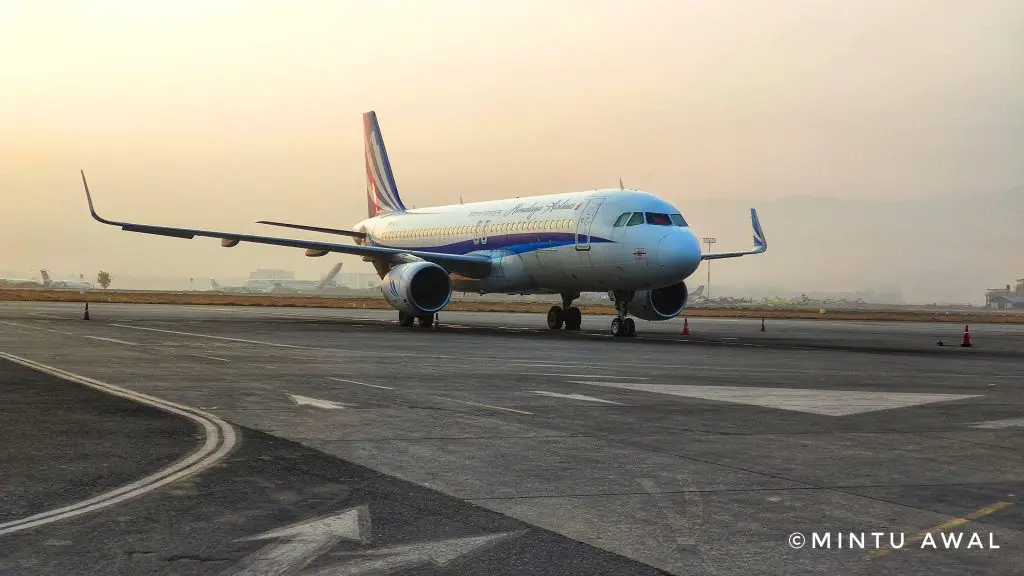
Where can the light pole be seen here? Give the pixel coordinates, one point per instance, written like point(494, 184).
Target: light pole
point(709, 241)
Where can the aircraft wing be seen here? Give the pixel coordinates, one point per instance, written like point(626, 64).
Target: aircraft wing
point(352, 233)
point(760, 244)
point(468, 265)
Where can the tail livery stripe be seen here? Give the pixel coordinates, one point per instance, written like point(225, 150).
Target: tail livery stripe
point(382, 193)
point(759, 241)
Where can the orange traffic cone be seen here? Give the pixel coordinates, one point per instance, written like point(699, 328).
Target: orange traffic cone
point(967, 337)
point(686, 327)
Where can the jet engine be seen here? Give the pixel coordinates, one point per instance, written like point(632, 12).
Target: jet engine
point(661, 304)
point(417, 288)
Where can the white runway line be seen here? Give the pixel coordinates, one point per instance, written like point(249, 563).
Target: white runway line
point(582, 376)
point(811, 401)
point(213, 337)
point(212, 357)
point(220, 440)
point(360, 383)
point(114, 340)
point(1000, 424)
point(484, 405)
point(573, 397)
point(41, 315)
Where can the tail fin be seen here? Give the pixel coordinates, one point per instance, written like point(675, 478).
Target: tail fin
point(46, 277)
point(329, 278)
point(381, 191)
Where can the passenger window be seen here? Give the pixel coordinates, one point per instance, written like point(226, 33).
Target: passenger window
point(636, 219)
point(622, 220)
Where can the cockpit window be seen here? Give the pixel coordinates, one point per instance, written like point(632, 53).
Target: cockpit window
point(636, 219)
point(677, 219)
point(622, 220)
point(658, 219)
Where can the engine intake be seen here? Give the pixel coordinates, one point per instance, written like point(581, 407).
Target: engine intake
point(661, 304)
point(417, 288)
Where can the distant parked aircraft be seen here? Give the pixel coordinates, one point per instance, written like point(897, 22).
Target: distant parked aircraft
point(51, 284)
point(257, 286)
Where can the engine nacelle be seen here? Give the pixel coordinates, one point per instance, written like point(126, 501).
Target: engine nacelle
point(661, 304)
point(417, 288)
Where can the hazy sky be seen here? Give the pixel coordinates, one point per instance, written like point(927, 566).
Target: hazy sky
point(217, 114)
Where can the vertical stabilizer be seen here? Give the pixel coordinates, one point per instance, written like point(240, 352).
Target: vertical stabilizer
point(329, 278)
point(381, 190)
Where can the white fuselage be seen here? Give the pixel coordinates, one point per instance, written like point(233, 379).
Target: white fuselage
point(68, 285)
point(559, 243)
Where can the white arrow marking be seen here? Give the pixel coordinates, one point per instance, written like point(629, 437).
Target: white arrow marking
point(307, 401)
point(302, 543)
point(438, 553)
point(572, 396)
point(997, 424)
point(824, 402)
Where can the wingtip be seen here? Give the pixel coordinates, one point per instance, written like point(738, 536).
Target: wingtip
point(92, 208)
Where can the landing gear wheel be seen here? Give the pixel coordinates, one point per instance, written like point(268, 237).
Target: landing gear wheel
point(405, 320)
point(573, 318)
point(618, 327)
point(555, 317)
point(426, 320)
point(630, 327)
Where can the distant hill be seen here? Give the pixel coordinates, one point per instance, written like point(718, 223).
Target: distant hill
point(940, 249)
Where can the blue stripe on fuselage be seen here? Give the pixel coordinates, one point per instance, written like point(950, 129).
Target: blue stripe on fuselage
point(513, 243)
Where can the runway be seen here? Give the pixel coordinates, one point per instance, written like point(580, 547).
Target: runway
point(496, 446)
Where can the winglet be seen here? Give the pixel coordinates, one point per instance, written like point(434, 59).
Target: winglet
point(760, 244)
point(92, 209)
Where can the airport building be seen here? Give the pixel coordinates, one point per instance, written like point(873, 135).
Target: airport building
point(272, 274)
point(1005, 297)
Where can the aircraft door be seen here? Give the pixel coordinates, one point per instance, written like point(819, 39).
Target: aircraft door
point(586, 220)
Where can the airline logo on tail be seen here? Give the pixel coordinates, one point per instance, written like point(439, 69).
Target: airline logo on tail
point(381, 191)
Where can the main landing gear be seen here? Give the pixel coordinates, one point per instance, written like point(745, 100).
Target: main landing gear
point(623, 325)
point(566, 314)
point(407, 320)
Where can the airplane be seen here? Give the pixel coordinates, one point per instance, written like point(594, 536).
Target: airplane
point(283, 286)
point(19, 282)
point(51, 284)
point(629, 242)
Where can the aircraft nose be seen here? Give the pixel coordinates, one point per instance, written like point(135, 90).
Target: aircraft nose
point(679, 252)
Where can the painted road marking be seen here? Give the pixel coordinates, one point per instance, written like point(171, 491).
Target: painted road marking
point(220, 439)
point(40, 314)
point(58, 331)
point(301, 543)
point(946, 526)
point(304, 542)
point(211, 336)
point(317, 402)
point(211, 357)
point(997, 424)
point(360, 383)
point(114, 340)
point(582, 376)
point(438, 553)
point(484, 405)
point(823, 402)
point(572, 397)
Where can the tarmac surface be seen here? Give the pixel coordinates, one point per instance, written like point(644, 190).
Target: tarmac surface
point(493, 446)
